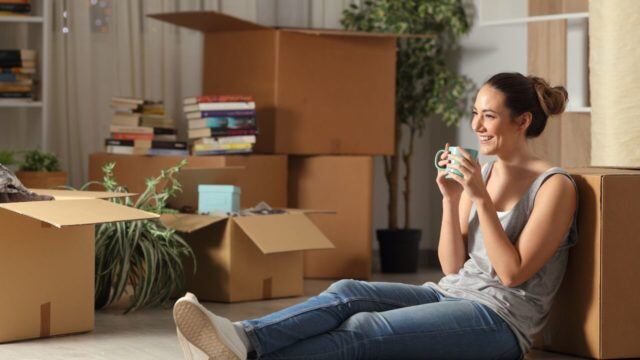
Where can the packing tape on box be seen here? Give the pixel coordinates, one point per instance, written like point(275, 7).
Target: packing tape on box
point(266, 288)
point(45, 319)
point(615, 82)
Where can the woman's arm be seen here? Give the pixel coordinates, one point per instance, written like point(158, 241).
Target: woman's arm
point(453, 245)
point(550, 219)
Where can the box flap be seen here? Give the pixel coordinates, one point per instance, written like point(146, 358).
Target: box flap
point(602, 171)
point(208, 21)
point(73, 194)
point(282, 233)
point(331, 32)
point(189, 223)
point(77, 212)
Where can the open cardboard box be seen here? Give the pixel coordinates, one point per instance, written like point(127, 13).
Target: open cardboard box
point(243, 257)
point(317, 91)
point(47, 261)
point(596, 312)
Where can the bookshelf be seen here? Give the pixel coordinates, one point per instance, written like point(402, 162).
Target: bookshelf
point(25, 124)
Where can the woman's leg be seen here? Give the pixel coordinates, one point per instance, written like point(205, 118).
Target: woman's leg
point(450, 329)
point(328, 310)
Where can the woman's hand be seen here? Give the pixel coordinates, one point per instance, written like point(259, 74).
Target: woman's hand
point(471, 181)
point(449, 188)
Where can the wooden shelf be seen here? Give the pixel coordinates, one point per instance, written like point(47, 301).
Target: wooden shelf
point(20, 19)
point(20, 104)
point(524, 20)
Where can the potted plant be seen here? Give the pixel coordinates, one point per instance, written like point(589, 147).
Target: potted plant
point(426, 87)
point(40, 169)
point(140, 263)
point(7, 158)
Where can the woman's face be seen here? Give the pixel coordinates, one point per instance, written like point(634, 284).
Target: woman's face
point(492, 123)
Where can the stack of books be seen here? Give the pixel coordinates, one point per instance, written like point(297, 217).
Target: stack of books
point(140, 127)
point(15, 7)
point(17, 70)
point(221, 124)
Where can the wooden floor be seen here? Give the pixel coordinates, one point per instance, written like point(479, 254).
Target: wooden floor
point(150, 334)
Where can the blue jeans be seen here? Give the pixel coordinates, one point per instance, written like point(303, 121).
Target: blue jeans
point(372, 320)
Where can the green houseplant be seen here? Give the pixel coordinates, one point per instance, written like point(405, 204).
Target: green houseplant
point(40, 169)
point(425, 87)
point(141, 260)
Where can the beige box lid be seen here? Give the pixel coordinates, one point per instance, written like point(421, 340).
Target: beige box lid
point(210, 21)
point(270, 233)
point(77, 211)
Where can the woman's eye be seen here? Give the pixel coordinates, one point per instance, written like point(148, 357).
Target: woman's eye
point(490, 116)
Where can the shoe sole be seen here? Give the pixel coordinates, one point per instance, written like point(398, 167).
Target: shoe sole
point(197, 329)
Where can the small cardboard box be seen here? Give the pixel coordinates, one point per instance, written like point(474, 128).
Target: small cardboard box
point(47, 262)
point(247, 257)
point(264, 177)
point(316, 91)
point(596, 312)
point(343, 184)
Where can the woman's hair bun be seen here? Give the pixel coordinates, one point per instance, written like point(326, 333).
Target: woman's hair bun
point(553, 100)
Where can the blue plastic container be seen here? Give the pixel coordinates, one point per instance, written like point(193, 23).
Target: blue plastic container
point(218, 198)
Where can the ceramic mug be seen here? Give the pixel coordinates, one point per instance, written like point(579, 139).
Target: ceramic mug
point(455, 150)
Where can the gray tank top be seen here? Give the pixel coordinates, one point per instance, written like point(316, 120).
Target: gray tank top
point(525, 307)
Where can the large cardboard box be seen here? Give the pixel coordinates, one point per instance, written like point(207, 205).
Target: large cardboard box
point(596, 313)
point(47, 262)
point(343, 184)
point(247, 257)
point(264, 177)
point(316, 91)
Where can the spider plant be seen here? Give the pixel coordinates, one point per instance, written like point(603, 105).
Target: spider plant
point(144, 255)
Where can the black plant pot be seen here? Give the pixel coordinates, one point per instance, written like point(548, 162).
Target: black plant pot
point(399, 250)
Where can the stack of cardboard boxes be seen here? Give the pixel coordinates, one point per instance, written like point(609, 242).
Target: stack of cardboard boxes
point(325, 104)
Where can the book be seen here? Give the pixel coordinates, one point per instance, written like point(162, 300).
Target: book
point(16, 95)
point(16, 70)
point(131, 136)
point(153, 108)
point(222, 152)
point(15, 78)
point(250, 139)
point(123, 119)
point(131, 129)
point(209, 132)
point(207, 147)
point(11, 87)
point(165, 137)
point(179, 145)
point(15, 8)
point(129, 150)
point(168, 152)
point(210, 122)
point(164, 131)
point(221, 113)
point(216, 98)
point(220, 106)
point(124, 142)
point(126, 100)
point(156, 121)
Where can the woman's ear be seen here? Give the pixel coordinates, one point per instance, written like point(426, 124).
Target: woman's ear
point(524, 121)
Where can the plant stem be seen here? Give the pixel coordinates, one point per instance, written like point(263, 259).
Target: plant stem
point(392, 177)
point(406, 157)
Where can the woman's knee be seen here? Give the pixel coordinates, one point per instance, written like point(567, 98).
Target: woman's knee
point(345, 287)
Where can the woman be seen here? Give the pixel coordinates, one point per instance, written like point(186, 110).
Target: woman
point(514, 217)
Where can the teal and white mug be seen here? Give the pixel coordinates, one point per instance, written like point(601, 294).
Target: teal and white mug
point(455, 150)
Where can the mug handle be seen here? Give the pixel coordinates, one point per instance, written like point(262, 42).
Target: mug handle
point(437, 158)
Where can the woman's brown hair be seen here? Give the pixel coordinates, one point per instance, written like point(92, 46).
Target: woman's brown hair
point(530, 94)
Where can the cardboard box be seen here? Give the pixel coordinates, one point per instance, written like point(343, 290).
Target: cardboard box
point(247, 258)
point(343, 184)
point(47, 262)
point(264, 177)
point(316, 91)
point(596, 313)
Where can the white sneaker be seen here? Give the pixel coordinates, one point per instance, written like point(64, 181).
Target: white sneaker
point(204, 335)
